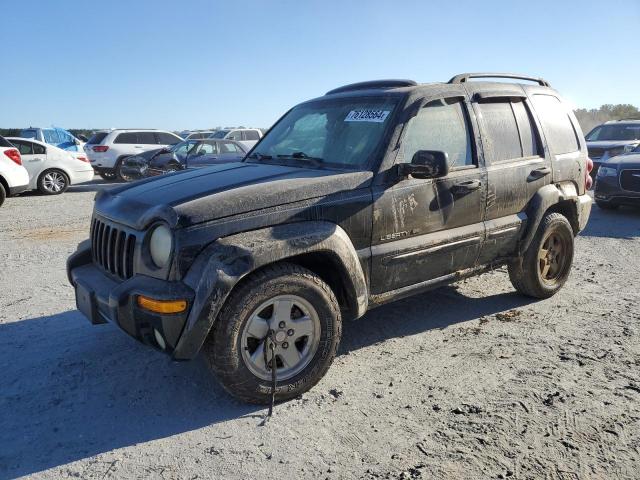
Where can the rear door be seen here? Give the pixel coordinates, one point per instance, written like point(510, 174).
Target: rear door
point(517, 165)
point(427, 229)
point(33, 157)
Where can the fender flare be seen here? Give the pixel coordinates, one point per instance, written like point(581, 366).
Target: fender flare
point(545, 198)
point(222, 264)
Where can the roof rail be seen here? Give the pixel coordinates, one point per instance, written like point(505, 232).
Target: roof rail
point(373, 84)
point(464, 77)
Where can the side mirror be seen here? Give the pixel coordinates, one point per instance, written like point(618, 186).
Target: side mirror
point(426, 164)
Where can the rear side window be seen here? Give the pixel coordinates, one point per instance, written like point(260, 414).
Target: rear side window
point(129, 137)
point(147, 138)
point(38, 149)
point(528, 136)
point(167, 139)
point(96, 138)
point(502, 139)
point(251, 135)
point(556, 124)
point(441, 125)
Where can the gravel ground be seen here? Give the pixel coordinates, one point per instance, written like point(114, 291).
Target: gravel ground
point(468, 381)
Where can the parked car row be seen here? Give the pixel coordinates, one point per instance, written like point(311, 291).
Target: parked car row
point(28, 164)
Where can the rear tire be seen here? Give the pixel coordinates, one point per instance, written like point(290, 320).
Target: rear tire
point(3, 194)
point(607, 206)
point(545, 266)
point(118, 170)
point(283, 297)
point(53, 182)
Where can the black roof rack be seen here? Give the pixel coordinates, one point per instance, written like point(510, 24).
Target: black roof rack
point(463, 77)
point(373, 84)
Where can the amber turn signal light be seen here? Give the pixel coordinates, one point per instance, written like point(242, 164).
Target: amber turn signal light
point(162, 306)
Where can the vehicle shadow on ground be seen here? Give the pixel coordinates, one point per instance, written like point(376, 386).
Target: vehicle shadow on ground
point(621, 223)
point(71, 390)
point(93, 186)
point(437, 309)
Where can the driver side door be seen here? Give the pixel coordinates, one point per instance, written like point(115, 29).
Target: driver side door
point(427, 229)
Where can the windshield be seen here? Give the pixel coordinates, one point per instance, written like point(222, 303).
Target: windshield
point(220, 134)
point(29, 133)
point(615, 132)
point(339, 133)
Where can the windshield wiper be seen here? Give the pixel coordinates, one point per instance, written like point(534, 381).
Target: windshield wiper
point(260, 156)
point(303, 156)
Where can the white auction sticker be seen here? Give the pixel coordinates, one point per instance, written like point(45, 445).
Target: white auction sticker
point(366, 115)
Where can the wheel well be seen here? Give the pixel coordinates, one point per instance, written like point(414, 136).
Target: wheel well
point(4, 183)
point(569, 209)
point(57, 170)
point(331, 271)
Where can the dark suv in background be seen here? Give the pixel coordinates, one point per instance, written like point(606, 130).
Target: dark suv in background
point(370, 193)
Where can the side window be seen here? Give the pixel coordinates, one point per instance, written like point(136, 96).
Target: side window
point(237, 135)
point(502, 139)
point(167, 139)
point(528, 135)
point(207, 149)
point(23, 147)
point(556, 124)
point(147, 138)
point(38, 149)
point(441, 125)
point(129, 137)
point(251, 135)
point(228, 147)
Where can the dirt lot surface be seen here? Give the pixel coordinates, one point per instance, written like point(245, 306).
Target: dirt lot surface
point(469, 381)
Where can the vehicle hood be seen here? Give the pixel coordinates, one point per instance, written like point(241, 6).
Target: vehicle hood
point(627, 160)
point(195, 196)
point(611, 143)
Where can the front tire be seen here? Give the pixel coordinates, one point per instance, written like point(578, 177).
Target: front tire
point(545, 266)
point(53, 182)
point(304, 315)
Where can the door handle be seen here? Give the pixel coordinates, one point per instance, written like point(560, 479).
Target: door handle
point(466, 187)
point(540, 172)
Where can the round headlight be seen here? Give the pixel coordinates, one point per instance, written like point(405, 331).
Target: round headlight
point(160, 245)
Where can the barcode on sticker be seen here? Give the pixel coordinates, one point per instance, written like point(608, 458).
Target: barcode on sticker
point(366, 115)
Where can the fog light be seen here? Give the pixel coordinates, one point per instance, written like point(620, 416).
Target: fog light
point(162, 306)
point(159, 339)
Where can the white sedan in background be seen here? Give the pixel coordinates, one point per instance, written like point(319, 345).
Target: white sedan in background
point(51, 169)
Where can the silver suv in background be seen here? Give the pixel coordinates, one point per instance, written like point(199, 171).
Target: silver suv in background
point(611, 139)
point(247, 136)
point(107, 149)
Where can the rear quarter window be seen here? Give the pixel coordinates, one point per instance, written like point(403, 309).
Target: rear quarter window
point(96, 138)
point(556, 124)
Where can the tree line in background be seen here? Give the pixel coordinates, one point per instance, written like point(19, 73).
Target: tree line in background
point(587, 119)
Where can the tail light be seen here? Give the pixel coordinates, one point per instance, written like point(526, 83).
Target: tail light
point(588, 181)
point(100, 148)
point(82, 158)
point(14, 155)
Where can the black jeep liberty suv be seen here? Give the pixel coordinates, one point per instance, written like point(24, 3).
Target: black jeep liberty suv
point(373, 192)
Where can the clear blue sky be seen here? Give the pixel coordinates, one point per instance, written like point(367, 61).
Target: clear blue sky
point(197, 63)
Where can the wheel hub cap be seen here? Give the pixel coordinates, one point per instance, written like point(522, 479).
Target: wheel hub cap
point(296, 330)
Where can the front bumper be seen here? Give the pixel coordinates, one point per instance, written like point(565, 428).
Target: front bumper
point(102, 299)
point(608, 190)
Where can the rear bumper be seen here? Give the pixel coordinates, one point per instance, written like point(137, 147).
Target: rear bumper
point(583, 206)
point(100, 170)
point(82, 176)
point(102, 299)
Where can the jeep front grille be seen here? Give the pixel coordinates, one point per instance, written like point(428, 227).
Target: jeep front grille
point(630, 180)
point(112, 248)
